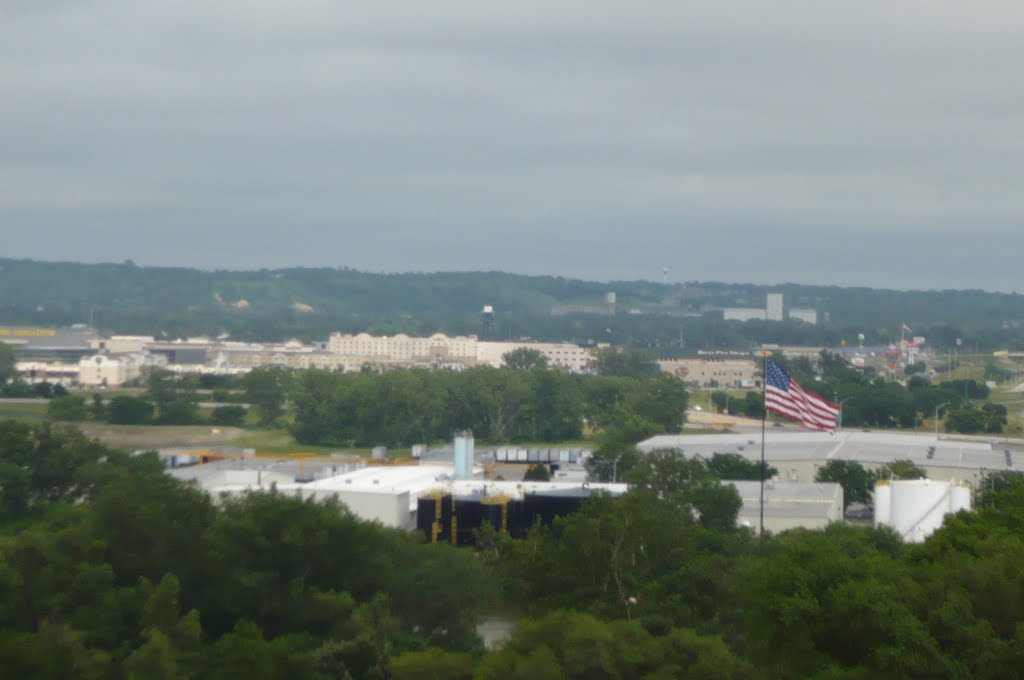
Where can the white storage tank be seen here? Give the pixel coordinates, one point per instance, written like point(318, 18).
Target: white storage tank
point(917, 507)
point(961, 497)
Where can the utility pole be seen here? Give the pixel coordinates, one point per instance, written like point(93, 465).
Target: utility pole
point(940, 406)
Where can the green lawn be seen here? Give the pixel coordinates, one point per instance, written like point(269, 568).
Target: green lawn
point(33, 413)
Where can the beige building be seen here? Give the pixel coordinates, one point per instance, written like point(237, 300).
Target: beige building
point(706, 372)
point(53, 372)
point(562, 355)
point(114, 370)
point(404, 350)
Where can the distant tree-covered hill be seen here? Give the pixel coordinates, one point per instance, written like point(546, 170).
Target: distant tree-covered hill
point(310, 303)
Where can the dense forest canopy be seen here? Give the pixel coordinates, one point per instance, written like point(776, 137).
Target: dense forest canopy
point(111, 569)
point(311, 303)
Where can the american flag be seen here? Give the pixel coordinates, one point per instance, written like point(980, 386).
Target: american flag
point(784, 396)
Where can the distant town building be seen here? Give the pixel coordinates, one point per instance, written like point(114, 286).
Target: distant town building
point(562, 355)
point(736, 372)
point(744, 314)
point(404, 350)
point(806, 315)
point(115, 370)
point(775, 310)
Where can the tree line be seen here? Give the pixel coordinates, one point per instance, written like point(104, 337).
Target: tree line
point(404, 407)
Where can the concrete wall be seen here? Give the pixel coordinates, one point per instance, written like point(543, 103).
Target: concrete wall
point(387, 507)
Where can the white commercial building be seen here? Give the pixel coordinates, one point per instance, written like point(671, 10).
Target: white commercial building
point(564, 355)
point(114, 370)
point(774, 307)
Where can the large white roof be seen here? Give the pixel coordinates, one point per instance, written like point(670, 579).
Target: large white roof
point(870, 448)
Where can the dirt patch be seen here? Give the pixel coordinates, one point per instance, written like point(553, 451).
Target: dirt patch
point(717, 420)
point(160, 436)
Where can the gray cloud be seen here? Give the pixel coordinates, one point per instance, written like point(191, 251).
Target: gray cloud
point(870, 143)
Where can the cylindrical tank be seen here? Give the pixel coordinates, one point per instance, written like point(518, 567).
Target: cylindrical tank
point(961, 499)
point(918, 507)
point(883, 502)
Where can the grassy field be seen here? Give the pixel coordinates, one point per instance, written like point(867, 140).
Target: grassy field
point(34, 413)
point(280, 441)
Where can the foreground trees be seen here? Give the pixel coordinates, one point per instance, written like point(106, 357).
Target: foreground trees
point(111, 569)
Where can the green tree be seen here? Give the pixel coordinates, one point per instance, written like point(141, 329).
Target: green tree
point(662, 401)
point(901, 469)
point(228, 415)
point(753, 406)
point(568, 645)
point(432, 664)
point(7, 362)
point(968, 420)
point(733, 466)
point(267, 389)
point(628, 363)
point(537, 473)
point(717, 505)
point(720, 400)
point(611, 464)
point(857, 482)
point(154, 659)
point(70, 407)
point(524, 358)
point(995, 417)
point(125, 410)
point(1001, 489)
point(173, 396)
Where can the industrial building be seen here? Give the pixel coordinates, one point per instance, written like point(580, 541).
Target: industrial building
point(49, 344)
point(789, 505)
point(798, 455)
point(393, 495)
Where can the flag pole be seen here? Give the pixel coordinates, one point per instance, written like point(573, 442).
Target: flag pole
point(764, 419)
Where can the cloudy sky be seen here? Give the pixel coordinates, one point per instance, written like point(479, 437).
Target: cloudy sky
point(870, 143)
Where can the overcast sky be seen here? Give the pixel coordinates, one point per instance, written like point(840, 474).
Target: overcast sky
point(870, 143)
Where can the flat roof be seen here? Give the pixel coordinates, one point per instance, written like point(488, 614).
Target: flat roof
point(872, 448)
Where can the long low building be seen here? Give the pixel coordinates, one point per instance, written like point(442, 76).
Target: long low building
point(789, 505)
point(391, 494)
point(798, 455)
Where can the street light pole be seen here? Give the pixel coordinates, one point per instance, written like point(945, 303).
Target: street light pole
point(839, 420)
point(942, 405)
